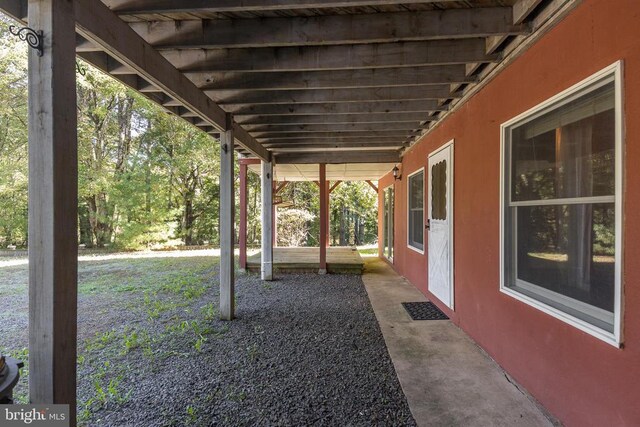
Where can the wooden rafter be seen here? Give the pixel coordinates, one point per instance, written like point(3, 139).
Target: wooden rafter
point(386, 156)
point(342, 108)
point(317, 117)
point(343, 57)
point(332, 79)
point(135, 7)
point(331, 30)
point(258, 130)
point(330, 96)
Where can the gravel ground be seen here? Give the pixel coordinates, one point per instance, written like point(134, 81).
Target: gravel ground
point(304, 350)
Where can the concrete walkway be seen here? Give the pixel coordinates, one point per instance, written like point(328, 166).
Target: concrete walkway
point(447, 379)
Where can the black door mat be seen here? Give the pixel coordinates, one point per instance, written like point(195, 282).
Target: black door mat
point(424, 311)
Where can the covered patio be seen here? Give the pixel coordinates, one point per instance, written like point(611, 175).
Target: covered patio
point(291, 87)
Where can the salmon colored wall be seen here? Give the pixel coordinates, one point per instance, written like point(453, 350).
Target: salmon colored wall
point(579, 378)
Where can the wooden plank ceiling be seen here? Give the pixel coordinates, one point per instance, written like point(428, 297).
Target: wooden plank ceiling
point(332, 80)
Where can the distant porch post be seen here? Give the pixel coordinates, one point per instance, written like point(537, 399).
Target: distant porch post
point(324, 217)
point(53, 205)
point(227, 223)
point(242, 233)
point(267, 221)
point(274, 216)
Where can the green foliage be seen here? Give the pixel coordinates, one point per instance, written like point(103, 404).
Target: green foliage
point(293, 226)
point(13, 141)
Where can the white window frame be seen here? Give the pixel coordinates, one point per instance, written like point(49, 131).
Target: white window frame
point(413, 248)
point(616, 338)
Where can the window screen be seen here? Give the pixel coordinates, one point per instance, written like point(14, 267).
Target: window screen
point(439, 190)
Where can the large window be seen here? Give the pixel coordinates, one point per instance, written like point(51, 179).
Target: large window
point(561, 206)
point(415, 200)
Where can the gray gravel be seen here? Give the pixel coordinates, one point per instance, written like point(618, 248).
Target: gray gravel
point(305, 350)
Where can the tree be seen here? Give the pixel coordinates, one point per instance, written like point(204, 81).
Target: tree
point(13, 141)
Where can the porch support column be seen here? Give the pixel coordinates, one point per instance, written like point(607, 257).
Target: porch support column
point(227, 223)
point(242, 234)
point(324, 217)
point(328, 207)
point(274, 215)
point(53, 204)
point(267, 221)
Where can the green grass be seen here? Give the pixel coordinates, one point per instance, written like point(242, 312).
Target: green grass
point(368, 251)
point(166, 297)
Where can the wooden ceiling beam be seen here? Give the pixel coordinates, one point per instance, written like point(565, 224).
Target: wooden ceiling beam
point(330, 29)
point(337, 127)
point(136, 7)
point(372, 144)
point(338, 139)
point(338, 79)
point(320, 118)
point(343, 57)
point(339, 157)
point(324, 96)
point(284, 148)
point(343, 108)
point(268, 136)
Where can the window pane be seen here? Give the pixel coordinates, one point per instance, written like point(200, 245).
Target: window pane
point(568, 152)
point(416, 193)
point(439, 190)
point(570, 251)
point(416, 210)
point(416, 224)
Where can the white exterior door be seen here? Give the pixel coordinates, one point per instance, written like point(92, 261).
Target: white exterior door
point(440, 223)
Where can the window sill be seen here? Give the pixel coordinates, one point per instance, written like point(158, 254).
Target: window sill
point(580, 324)
point(420, 251)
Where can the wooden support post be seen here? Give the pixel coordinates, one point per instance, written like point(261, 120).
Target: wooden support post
point(242, 237)
point(324, 217)
point(267, 221)
point(328, 207)
point(274, 217)
point(53, 204)
point(227, 226)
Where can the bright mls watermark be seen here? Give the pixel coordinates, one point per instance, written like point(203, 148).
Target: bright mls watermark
point(34, 415)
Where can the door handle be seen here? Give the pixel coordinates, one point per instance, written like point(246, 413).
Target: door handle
point(427, 226)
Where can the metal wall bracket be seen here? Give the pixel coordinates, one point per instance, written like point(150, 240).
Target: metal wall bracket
point(80, 69)
point(32, 37)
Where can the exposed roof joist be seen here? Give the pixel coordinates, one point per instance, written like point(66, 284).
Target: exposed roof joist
point(256, 130)
point(138, 7)
point(335, 156)
point(330, 30)
point(319, 118)
point(346, 135)
point(337, 79)
point(342, 57)
point(342, 108)
point(324, 96)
